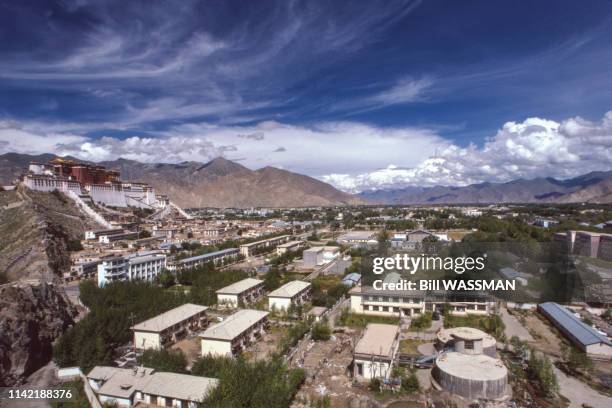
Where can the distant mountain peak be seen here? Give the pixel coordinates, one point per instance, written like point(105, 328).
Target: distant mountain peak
point(217, 183)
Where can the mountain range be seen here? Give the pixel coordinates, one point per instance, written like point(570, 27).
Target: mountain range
point(224, 183)
point(594, 187)
point(218, 183)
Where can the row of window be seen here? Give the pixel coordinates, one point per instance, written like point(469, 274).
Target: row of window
point(392, 299)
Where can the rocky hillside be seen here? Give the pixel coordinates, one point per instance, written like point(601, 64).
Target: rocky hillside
point(32, 316)
point(595, 187)
point(35, 229)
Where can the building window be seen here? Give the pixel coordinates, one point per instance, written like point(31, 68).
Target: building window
point(469, 345)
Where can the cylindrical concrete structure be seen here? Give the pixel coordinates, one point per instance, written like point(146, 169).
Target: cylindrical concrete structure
point(471, 376)
point(467, 340)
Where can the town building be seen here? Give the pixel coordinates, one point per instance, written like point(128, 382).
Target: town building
point(586, 243)
point(80, 270)
point(319, 256)
point(139, 266)
point(246, 291)
point(128, 387)
point(352, 279)
point(169, 327)
point(231, 336)
point(292, 293)
point(400, 303)
point(215, 257)
point(545, 222)
point(358, 238)
point(252, 248)
point(417, 235)
point(375, 351)
point(596, 345)
point(290, 246)
point(369, 301)
point(513, 274)
point(122, 236)
point(95, 234)
point(317, 313)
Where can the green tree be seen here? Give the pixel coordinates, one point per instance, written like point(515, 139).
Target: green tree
point(172, 361)
point(410, 384)
point(165, 278)
point(321, 331)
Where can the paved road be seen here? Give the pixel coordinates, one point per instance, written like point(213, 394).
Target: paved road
point(579, 393)
point(514, 327)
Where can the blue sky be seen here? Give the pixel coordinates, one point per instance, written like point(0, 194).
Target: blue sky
point(359, 94)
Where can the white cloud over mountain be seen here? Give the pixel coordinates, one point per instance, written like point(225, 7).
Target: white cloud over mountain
point(532, 148)
point(351, 156)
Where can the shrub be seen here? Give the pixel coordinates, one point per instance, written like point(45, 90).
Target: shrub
point(321, 331)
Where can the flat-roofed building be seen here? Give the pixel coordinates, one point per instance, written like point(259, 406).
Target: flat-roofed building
point(235, 333)
point(216, 257)
point(319, 256)
point(127, 387)
point(291, 293)
point(417, 235)
point(358, 238)
point(375, 351)
point(86, 269)
point(399, 303)
point(317, 313)
point(587, 243)
point(289, 247)
point(246, 291)
point(144, 267)
point(369, 301)
point(94, 234)
point(108, 238)
point(169, 327)
point(605, 247)
point(596, 345)
point(251, 248)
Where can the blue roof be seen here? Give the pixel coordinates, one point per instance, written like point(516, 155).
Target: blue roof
point(355, 277)
point(209, 255)
point(509, 273)
point(582, 332)
point(351, 279)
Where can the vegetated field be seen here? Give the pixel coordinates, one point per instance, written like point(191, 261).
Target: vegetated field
point(410, 346)
point(546, 339)
point(360, 321)
point(489, 324)
point(326, 281)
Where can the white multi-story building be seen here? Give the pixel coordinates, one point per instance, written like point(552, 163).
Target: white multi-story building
point(229, 337)
point(400, 303)
point(291, 293)
point(375, 351)
point(249, 249)
point(169, 327)
point(246, 291)
point(144, 267)
point(320, 255)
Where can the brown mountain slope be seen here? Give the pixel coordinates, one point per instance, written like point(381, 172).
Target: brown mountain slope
point(600, 193)
point(223, 183)
point(218, 183)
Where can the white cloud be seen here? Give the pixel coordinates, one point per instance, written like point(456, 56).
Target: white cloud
point(352, 156)
point(533, 148)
